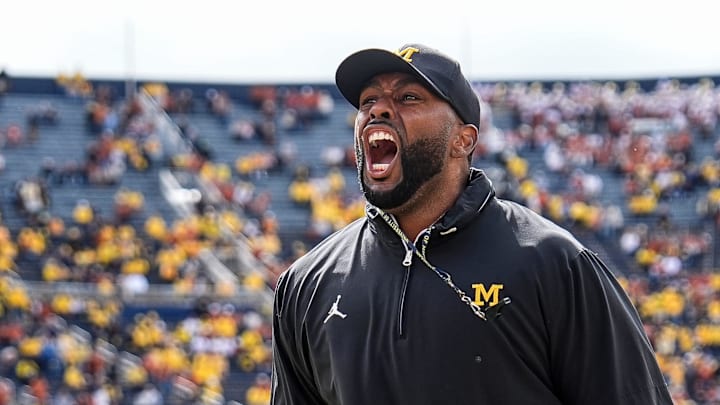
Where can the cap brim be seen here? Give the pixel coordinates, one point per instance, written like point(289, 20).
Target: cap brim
point(357, 69)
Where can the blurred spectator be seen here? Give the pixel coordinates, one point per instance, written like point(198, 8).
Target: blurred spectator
point(260, 94)
point(14, 135)
point(105, 160)
point(333, 156)
point(75, 85)
point(7, 391)
point(259, 392)
point(301, 190)
point(242, 129)
point(32, 197)
point(183, 102)
point(128, 203)
point(267, 130)
point(305, 105)
point(133, 283)
point(4, 85)
point(149, 395)
point(219, 104)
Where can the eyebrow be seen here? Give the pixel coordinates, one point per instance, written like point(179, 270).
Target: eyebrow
point(400, 83)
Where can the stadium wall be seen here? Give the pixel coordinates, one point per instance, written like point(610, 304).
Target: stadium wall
point(241, 92)
point(238, 92)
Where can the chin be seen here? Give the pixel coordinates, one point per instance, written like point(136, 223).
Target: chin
point(380, 185)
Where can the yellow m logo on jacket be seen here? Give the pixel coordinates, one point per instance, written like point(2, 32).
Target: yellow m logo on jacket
point(485, 296)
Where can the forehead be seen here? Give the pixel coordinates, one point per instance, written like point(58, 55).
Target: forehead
point(392, 80)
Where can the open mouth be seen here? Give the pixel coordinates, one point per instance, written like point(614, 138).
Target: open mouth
point(381, 153)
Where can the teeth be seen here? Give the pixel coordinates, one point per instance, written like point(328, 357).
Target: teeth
point(380, 166)
point(379, 136)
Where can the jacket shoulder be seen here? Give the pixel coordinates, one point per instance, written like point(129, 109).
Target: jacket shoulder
point(532, 229)
point(336, 247)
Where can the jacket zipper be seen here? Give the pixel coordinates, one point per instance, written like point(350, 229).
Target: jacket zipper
point(407, 263)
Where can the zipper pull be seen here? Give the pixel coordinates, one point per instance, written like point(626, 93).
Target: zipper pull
point(408, 254)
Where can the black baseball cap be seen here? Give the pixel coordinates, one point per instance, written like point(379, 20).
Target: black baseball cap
point(436, 70)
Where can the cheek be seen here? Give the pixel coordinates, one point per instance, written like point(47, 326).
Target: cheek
point(359, 119)
point(358, 130)
point(357, 125)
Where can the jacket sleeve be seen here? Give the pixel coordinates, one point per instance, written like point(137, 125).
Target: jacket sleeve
point(599, 352)
point(292, 383)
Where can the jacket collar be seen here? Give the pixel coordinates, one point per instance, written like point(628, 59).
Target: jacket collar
point(477, 193)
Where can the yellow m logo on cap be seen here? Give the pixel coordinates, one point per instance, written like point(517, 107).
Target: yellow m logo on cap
point(407, 53)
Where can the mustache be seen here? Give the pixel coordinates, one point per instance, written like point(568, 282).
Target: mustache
point(379, 121)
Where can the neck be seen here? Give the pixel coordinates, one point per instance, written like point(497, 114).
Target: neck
point(413, 225)
point(427, 206)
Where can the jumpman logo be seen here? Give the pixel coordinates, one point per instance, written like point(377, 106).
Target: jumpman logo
point(334, 310)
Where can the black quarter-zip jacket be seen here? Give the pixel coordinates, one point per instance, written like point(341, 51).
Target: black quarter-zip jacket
point(358, 320)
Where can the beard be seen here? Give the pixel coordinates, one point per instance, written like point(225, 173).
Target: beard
point(420, 162)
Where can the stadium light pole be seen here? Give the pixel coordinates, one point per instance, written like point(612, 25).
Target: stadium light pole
point(129, 60)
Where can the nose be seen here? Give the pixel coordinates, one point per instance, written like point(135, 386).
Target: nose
point(382, 108)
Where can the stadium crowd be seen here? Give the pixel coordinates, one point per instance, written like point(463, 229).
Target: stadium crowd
point(67, 348)
point(79, 346)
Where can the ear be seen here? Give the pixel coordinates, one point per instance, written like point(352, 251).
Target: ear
point(465, 141)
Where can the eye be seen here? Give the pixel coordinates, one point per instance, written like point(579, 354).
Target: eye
point(368, 99)
point(409, 97)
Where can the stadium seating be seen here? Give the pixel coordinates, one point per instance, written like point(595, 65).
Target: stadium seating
point(64, 136)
